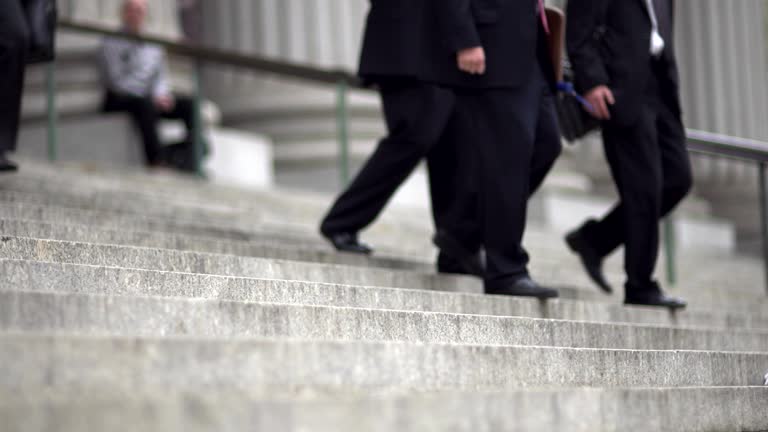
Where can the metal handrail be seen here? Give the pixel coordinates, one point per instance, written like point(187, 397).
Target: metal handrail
point(698, 141)
point(727, 146)
point(201, 54)
point(207, 54)
point(745, 150)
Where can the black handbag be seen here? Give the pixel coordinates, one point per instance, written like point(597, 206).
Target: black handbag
point(572, 110)
point(41, 18)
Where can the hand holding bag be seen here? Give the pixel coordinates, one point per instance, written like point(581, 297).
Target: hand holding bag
point(572, 110)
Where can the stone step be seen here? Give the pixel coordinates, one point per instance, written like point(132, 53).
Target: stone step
point(133, 189)
point(230, 265)
point(240, 219)
point(85, 279)
point(114, 220)
point(301, 209)
point(560, 270)
point(133, 203)
point(252, 226)
point(283, 368)
point(556, 265)
point(542, 244)
point(139, 201)
point(266, 247)
point(150, 316)
point(552, 263)
point(722, 409)
point(21, 248)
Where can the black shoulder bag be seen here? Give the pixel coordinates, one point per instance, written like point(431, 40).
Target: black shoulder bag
point(573, 111)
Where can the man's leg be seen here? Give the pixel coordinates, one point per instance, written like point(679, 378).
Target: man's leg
point(145, 116)
point(184, 110)
point(608, 234)
point(548, 144)
point(13, 50)
point(416, 115)
point(181, 155)
point(638, 159)
point(453, 172)
point(675, 160)
point(505, 132)
point(635, 160)
point(453, 186)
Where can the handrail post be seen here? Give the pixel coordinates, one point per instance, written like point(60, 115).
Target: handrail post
point(763, 188)
point(670, 247)
point(198, 140)
point(342, 130)
point(52, 115)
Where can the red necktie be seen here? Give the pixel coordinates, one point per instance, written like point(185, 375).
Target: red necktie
point(543, 13)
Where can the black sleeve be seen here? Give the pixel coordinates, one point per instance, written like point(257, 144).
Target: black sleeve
point(584, 18)
point(458, 24)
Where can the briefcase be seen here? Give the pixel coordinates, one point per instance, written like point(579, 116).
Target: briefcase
point(575, 120)
point(41, 21)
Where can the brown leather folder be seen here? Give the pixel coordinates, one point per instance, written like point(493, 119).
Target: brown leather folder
point(556, 20)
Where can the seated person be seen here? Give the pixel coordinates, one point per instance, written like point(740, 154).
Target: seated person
point(136, 80)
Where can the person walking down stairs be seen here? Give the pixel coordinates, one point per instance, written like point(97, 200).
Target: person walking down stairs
point(635, 93)
point(399, 43)
point(26, 36)
point(13, 41)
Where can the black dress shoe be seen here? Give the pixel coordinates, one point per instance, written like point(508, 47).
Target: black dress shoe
point(656, 300)
point(590, 259)
point(348, 242)
point(454, 258)
point(6, 165)
point(523, 287)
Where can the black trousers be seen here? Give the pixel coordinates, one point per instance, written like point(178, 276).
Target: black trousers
point(418, 116)
point(517, 141)
point(146, 116)
point(13, 52)
point(651, 168)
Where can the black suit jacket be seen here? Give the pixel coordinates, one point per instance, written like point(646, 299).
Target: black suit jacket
point(609, 44)
point(508, 30)
point(394, 40)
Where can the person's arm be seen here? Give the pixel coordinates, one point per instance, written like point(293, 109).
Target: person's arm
point(459, 25)
point(590, 72)
point(460, 30)
point(583, 19)
point(161, 86)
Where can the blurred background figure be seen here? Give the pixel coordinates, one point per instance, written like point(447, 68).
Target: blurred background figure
point(136, 81)
point(14, 39)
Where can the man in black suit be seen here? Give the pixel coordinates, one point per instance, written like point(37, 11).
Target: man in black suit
point(398, 44)
point(624, 61)
point(498, 62)
point(13, 51)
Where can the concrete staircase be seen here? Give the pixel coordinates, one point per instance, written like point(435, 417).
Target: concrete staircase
point(157, 303)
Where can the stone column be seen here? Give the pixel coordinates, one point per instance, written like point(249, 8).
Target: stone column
point(723, 65)
point(321, 33)
point(163, 19)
